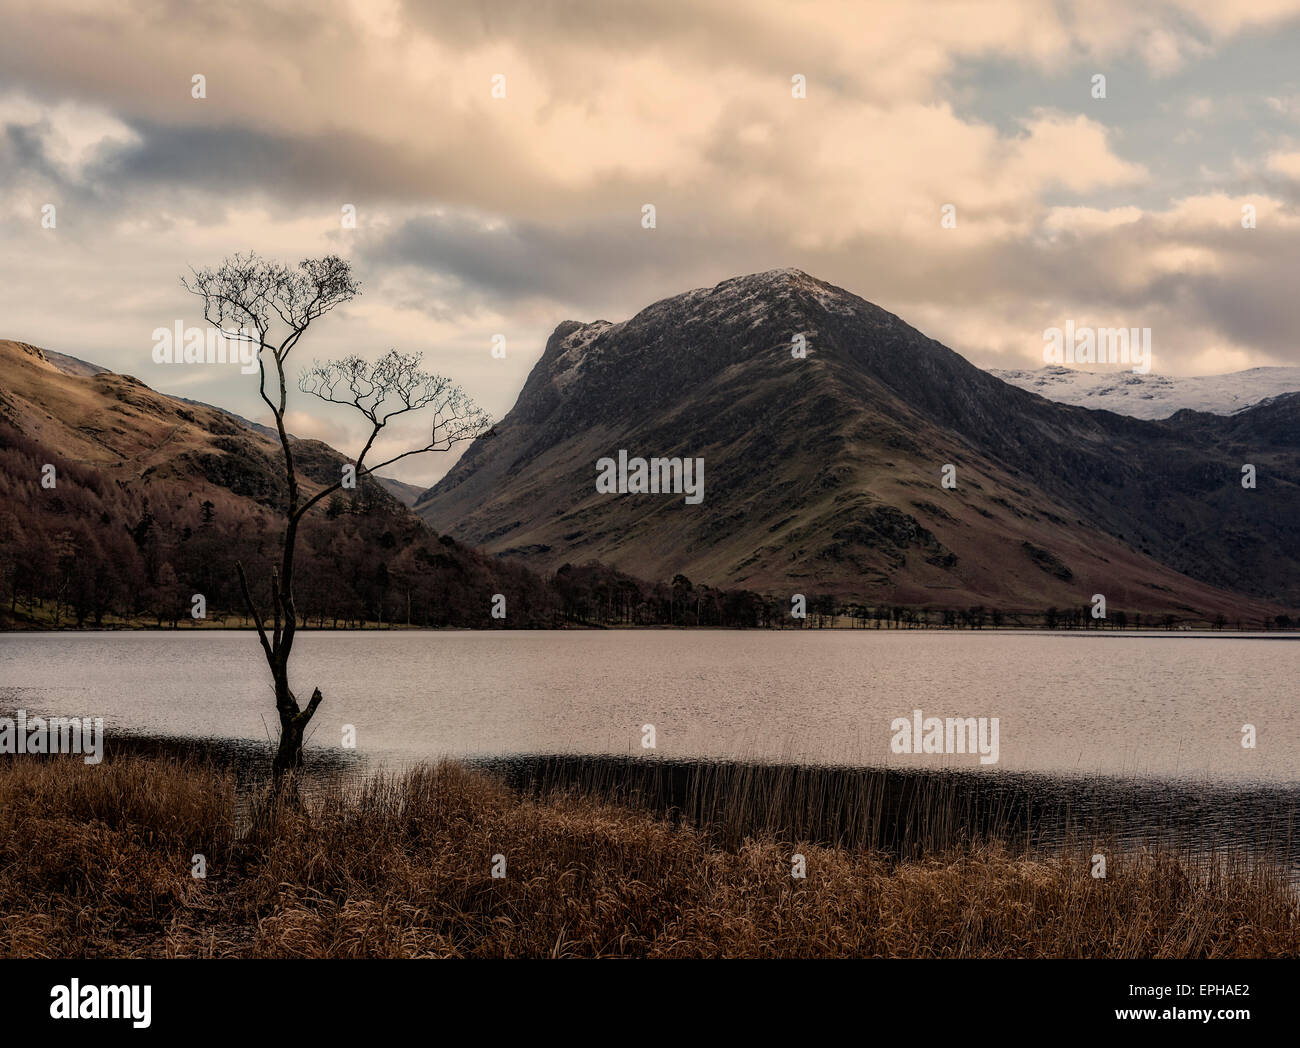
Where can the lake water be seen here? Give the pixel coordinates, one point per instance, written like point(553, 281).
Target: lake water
point(1129, 738)
point(1164, 705)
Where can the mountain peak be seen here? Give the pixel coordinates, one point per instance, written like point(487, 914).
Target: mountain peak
point(781, 287)
point(788, 275)
point(775, 281)
point(747, 297)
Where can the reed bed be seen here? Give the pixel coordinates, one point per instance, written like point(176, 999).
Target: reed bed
point(919, 812)
point(96, 862)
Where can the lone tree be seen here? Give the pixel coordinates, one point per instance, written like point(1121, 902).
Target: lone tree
point(271, 306)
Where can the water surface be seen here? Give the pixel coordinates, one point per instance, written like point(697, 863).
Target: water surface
point(1165, 705)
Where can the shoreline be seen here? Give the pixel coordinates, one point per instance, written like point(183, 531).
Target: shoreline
point(447, 861)
point(906, 811)
point(1144, 631)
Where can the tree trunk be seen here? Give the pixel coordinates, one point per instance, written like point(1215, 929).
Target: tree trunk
point(293, 727)
point(288, 756)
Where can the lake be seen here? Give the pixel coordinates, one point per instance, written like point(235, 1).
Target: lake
point(1136, 736)
point(1167, 705)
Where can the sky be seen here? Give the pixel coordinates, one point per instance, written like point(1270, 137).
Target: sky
point(481, 215)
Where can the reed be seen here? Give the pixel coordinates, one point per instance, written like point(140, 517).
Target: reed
point(96, 861)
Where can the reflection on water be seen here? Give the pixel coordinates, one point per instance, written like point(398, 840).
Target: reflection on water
point(1130, 739)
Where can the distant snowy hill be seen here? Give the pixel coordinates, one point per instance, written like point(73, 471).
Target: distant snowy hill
point(1155, 396)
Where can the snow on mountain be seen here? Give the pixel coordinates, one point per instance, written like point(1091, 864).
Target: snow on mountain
point(1153, 396)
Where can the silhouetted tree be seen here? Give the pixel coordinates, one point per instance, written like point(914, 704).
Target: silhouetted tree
point(271, 306)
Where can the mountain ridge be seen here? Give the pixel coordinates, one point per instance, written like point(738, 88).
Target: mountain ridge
point(78, 367)
point(1153, 396)
point(842, 491)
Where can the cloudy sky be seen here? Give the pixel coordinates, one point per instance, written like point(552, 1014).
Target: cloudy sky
point(479, 215)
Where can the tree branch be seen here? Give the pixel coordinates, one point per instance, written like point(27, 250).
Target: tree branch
point(257, 615)
point(302, 718)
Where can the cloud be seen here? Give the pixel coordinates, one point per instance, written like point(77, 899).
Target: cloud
point(481, 215)
point(1286, 164)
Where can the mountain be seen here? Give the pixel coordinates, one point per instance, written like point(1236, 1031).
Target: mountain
point(405, 493)
point(118, 427)
point(156, 498)
point(1152, 396)
point(823, 474)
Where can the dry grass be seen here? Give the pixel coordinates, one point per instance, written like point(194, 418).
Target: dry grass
point(95, 861)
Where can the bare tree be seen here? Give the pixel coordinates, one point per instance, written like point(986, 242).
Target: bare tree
point(271, 306)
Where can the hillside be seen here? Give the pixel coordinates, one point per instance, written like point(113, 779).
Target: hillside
point(823, 474)
point(156, 498)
